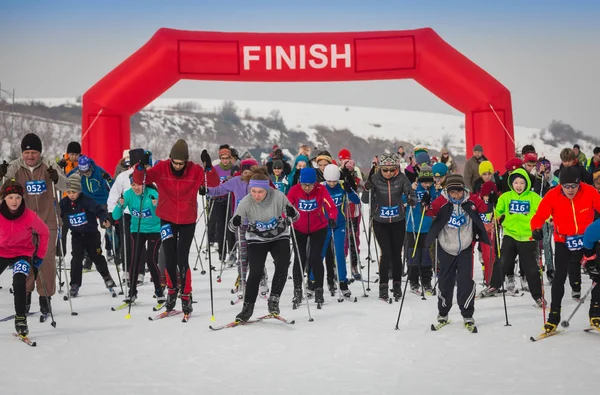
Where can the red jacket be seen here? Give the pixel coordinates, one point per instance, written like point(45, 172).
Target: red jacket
point(312, 208)
point(571, 217)
point(15, 236)
point(177, 199)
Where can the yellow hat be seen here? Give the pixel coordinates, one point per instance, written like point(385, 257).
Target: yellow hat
point(486, 167)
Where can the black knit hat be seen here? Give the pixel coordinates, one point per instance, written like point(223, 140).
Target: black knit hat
point(31, 142)
point(277, 164)
point(74, 148)
point(455, 182)
point(569, 175)
point(180, 150)
point(11, 186)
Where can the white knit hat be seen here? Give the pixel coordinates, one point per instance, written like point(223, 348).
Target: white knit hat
point(331, 173)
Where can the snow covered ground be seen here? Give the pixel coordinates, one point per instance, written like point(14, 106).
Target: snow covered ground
point(348, 349)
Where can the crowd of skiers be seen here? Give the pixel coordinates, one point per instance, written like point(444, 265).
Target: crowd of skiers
point(428, 221)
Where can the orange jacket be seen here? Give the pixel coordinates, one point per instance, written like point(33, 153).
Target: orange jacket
point(571, 217)
point(70, 166)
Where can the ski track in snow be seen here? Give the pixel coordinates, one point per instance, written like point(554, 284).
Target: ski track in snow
point(350, 348)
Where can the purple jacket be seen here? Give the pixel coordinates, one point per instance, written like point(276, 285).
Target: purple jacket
point(223, 174)
point(239, 188)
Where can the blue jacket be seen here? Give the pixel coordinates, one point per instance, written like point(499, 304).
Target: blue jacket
point(340, 198)
point(591, 235)
point(415, 217)
point(95, 186)
point(81, 213)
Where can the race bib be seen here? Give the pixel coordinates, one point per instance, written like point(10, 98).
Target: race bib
point(388, 212)
point(223, 179)
point(166, 232)
point(338, 198)
point(21, 267)
point(78, 219)
point(420, 195)
point(485, 219)
point(307, 205)
point(146, 213)
point(265, 226)
point(456, 221)
point(278, 185)
point(574, 243)
point(36, 187)
point(519, 207)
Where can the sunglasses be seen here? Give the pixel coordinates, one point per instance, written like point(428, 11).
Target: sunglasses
point(307, 185)
point(177, 163)
point(388, 170)
point(570, 186)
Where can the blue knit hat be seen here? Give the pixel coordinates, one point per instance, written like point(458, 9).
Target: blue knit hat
point(422, 157)
point(308, 175)
point(439, 169)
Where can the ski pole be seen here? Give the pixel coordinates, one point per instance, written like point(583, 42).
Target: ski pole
point(368, 259)
point(56, 200)
point(53, 323)
point(498, 260)
point(542, 280)
point(376, 251)
point(117, 266)
point(437, 276)
point(136, 249)
point(362, 281)
point(403, 293)
point(60, 259)
point(210, 268)
point(198, 258)
point(304, 280)
point(242, 274)
point(224, 244)
point(336, 264)
point(565, 324)
point(415, 248)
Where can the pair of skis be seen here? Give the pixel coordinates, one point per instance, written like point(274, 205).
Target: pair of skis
point(126, 305)
point(259, 319)
point(165, 314)
point(472, 328)
point(546, 335)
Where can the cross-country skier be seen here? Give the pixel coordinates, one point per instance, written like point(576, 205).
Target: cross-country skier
point(178, 180)
point(388, 188)
point(268, 231)
point(590, 262)
point(457, 224)
point(80, 212)
point(18, 225)
point(572, 206)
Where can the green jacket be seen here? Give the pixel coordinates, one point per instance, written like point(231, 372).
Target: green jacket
point(150, 222)
point(518, 209)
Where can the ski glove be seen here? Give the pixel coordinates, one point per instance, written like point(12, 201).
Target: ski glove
point(206, 161)
point(202, 191)
point(332, 223)
point(62, 163)
point(107, 177)
point(537, 234)
point(290, 212)
point(426, 200)
point(37, 262)
point(412, 202)
point(493, 198)
point(593, 269)
point(53, 174)
point(3, 169)
point(237, 220)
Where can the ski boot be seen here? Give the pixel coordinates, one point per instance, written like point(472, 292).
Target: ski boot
point(74, 291)
point(524, 284)
point(45, 305)
point(236, 286)
point(541, 302)
point(87, 263)
point(130, 299)
point(264, 285)
point(415, 288)
point(344, 288)
point(186, 303)
point(310, 289)
point(110, 283)
point(397, 290)
point(470, 324)
point(273, 304)
point(576, 295)
point(331, 286)
point(319, 299)
point(510, 284)
point(428, 289)
point(140, 280)
point(21, 325)
point(595, 322)
point(553, 321)
point(489, 291)
point(442, 319)
point(171, 299)
point(246, 312)
point(355, 273)
point(297, 299)
point(384, 292)
point(160, 296)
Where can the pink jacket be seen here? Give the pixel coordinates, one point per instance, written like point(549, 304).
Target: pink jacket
point(16, 235)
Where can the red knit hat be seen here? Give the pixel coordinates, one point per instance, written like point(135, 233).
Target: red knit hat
point(247, 164)
point(344, 154)
point(488, 187)
point(513, 164)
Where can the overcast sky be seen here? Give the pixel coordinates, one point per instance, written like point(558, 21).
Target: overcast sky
point(546, 52)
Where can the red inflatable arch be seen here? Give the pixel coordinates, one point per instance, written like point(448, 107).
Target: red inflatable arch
point(171, 55)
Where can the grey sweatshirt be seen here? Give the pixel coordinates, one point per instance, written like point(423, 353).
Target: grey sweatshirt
point(457, 235)
point(265, 219)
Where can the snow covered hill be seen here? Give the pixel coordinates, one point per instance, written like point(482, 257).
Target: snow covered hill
point(257, 126)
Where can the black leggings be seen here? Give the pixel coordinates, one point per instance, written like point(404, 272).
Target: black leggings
point(151, 259)
point(565, 261)
point(177, 251)
point(526, 251)
point(314, 243)
point(18, 284)
point(390, 237)
point(257, 254)
point(90, 243)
